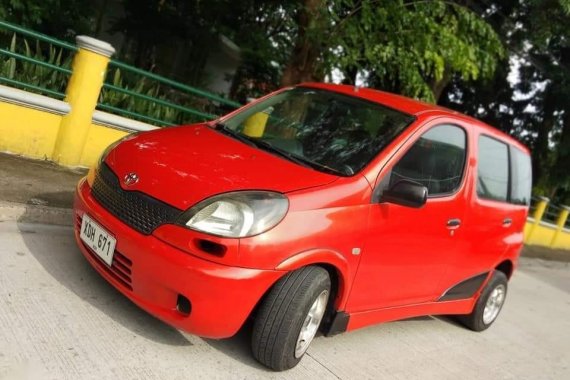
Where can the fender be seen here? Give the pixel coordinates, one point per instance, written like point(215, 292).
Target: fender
point(512, 254)
point(328, 257)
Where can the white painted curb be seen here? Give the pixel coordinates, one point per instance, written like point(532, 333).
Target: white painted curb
point(36, 101)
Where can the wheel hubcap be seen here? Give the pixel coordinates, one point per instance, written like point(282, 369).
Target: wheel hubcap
point(494, 304)
point(311, 323)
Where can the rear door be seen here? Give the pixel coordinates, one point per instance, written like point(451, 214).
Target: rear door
point(496, 218)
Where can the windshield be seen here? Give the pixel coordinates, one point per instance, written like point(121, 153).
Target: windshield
point(328, 131)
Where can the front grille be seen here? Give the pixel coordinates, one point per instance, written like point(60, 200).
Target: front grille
point(120, 268)
point(138, 210)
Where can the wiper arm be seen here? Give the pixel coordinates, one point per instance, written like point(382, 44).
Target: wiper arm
point(284, 153)
point(258, 143)
point(230, 132)
point(299, 160)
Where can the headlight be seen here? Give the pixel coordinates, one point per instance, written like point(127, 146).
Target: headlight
point(237, 214)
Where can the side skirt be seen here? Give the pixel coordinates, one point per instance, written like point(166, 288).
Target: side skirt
point(459, 299)
point(366, 318)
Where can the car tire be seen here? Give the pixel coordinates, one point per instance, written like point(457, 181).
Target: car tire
point(295, 305)
point(488, 305)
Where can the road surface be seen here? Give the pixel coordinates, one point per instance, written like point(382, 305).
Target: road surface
point(60, 320)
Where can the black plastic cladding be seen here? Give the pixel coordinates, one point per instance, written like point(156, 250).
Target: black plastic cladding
point(140, 211)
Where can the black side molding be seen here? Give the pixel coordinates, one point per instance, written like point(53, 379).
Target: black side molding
point(465, 289)
point(339, 323)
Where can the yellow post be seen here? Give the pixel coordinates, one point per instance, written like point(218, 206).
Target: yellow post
point(537, 216)
point(89, 69)
point(560, 223)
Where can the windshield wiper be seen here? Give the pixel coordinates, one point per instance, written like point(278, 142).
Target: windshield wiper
point(297, 159)
point(258, 143)
point(230, 132)
point(283, 153)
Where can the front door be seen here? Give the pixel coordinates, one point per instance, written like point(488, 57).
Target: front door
point(408, 250)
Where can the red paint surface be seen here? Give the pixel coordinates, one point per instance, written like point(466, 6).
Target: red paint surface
point(408, 257)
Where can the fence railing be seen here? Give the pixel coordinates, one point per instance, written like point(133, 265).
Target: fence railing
point(551, 213)
point(549, 224)
point(128, 90)
point(42, 67)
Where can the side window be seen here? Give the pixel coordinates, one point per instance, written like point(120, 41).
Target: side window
point(436, 160)
point(492, 169)
point(521, 177)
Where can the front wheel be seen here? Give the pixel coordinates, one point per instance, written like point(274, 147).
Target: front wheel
point(488, 305)
point(289, 317)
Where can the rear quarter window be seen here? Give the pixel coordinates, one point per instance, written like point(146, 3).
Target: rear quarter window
point(521, 177)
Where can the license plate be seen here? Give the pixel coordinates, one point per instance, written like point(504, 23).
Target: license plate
point(98, 239)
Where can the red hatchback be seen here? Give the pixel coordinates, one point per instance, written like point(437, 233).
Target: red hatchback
point(317, 207)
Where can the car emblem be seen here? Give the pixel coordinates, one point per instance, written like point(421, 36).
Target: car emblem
point(131, 179)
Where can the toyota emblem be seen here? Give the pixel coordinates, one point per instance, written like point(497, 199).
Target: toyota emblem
point(131, 179)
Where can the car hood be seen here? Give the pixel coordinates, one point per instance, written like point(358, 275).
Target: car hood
point(184, 165)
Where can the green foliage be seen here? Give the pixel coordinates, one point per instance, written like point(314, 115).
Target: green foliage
point(31, 73)
point(263, 30)
point(48, 78)
point(150, 108)
point(533, 109)
point(57, 18)
point(411, 47)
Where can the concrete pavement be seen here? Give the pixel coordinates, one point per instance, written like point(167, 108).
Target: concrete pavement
point(60, 320)
point(36, 191)
point(37, 182)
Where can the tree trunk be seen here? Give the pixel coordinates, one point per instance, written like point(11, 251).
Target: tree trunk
point(438, 87)
point(302, 66)
point(100, 18)
point(560, 172)
point(541, 152)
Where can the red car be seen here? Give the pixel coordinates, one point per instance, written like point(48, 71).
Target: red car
point(316, 207)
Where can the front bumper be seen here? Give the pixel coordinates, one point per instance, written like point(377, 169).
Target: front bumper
point(153, 274)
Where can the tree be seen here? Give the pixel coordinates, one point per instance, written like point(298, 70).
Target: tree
point(57, 18)
point(264, 30)
point(410, 47)
point(312, 22)
point(166, 33)
point(533, 109)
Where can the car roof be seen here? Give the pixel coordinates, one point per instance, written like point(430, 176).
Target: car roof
point(397, 102)
point(412, 107)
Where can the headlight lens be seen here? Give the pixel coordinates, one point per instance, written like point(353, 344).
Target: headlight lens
point(237, 214)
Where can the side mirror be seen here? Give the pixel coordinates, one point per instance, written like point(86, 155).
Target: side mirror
point(406, 193)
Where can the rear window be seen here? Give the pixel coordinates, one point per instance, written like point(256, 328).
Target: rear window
point(521, 172)
point(493, 169)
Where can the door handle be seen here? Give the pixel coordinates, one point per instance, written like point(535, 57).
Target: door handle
point(507, 222)
point(453, 223)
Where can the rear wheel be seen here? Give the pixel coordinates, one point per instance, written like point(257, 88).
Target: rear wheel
point(488, 305)
point(289, 317)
